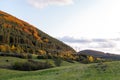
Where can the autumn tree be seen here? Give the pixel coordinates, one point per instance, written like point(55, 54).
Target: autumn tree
point(90, 58)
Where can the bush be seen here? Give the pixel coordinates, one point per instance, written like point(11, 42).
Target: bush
point(24, 56)
point(57, 61)
point(40, 57)
point(69, 60)
point(31, 65)
point(44, 57)
point(101, 67)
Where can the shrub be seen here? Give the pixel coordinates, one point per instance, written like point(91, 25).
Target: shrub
point(44, 57)
point(69, 60)
point(40, 57)
point(31, 65)
point(101, 67)
point(24, 56)
point(29, 56)
point(17, 65)
point(57, 61)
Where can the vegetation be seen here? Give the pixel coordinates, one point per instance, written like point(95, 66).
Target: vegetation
point(100, 54)
point(27, 53)
point(57, 61)
point(24, 56)
point(17, 36)
point(31, 65)
point(70, 71)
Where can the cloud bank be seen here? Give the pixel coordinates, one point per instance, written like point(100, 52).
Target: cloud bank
point(94, 43)
point(44, 3)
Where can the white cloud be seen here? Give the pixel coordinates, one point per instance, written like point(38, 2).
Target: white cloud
point(100, 44)
point(45, 3)
point(85, 40)
point(74, 40)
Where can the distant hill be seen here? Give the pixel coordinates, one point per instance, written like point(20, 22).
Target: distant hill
point(18, 36)
point(100, 54)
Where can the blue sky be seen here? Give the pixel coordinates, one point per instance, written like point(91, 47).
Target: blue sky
point(82, 24)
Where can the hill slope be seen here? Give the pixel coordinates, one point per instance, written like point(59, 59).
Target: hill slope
point(18, 36)
point(100, 54)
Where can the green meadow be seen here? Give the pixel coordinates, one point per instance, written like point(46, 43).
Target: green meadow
point(67, 71)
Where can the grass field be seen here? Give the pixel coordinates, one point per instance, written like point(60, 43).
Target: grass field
point(68, 71)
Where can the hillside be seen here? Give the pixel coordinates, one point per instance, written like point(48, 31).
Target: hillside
point(17, 36)
point(100, 54)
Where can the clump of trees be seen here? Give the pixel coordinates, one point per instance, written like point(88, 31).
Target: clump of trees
point(88, 59)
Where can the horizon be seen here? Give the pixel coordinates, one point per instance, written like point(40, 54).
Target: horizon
point(82, 24)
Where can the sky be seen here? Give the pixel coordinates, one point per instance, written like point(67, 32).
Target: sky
point(82, 24)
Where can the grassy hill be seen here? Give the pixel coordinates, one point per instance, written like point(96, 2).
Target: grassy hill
point(67, 71)
point(19, 37)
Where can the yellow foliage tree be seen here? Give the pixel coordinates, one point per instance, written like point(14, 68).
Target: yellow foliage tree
point(42, 52)
point(3, 48)
point(90, 58)
point(19, 49)
point(46, 40)
point(13, 47)
point(98, 58)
